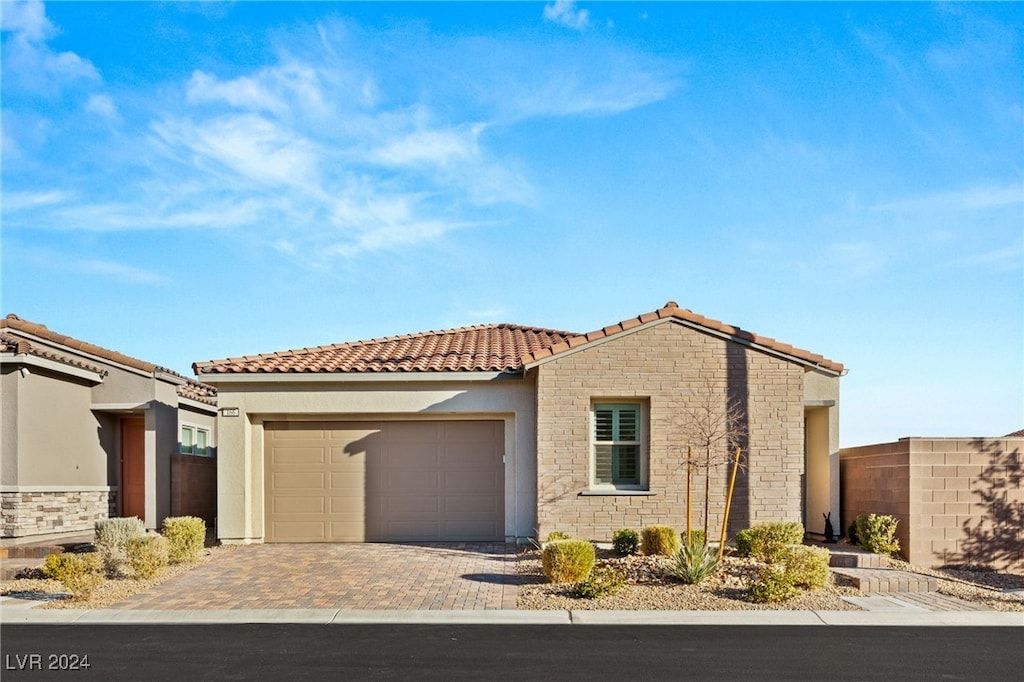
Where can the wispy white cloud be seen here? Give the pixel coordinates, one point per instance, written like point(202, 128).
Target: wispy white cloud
point(565, 13)
point(981, 197)
point(21, 201)
point(325, 152)
point(102, 105)
point(117, 271)
point(29, 62)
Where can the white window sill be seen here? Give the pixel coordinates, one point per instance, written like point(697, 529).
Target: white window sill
point(609, 492)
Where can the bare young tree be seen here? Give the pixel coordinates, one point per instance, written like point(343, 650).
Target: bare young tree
point(712, 428)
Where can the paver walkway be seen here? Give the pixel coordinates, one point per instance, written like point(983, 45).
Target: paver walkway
point(462, 575)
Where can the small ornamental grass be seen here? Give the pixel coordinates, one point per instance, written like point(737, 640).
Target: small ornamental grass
point(696, 535)
point(186, 536)
point(81, 574)
point(112, 536)
point(147, 555)
point(602, 581)
point(694, 562)
point(659, 541)
point(568, 561)
point(626, 542)
point(877, 533)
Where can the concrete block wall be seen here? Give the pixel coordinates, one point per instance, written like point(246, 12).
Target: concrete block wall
point(959, 500)
point(664, 366)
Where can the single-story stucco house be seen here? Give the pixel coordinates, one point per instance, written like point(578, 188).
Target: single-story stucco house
point(89, 433)
point(507, 432)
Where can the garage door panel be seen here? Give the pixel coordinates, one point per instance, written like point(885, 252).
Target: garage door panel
point(298, 505)
point(384, 481)
point(471, 504)
point(299, 531)
point(411, 482)
point(412, 504)
point(471, 530)
point(349, 506)
point(310, 480)
point(287, 456)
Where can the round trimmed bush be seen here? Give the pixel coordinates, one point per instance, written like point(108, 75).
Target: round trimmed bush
point(568, 561)
point(659, 540)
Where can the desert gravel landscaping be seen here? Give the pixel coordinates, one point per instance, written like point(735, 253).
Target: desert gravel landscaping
point(648, 587)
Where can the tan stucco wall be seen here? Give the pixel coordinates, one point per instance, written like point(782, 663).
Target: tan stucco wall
point(663, 365)
point(958, 500)
point(240, 493)
point(821, 405)
point(57, 441)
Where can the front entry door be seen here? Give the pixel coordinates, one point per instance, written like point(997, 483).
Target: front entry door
point(133, 467)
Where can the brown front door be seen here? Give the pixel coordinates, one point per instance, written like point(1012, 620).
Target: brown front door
point(133, 467)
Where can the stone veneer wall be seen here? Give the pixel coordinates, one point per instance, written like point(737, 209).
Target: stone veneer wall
point(46, 512)
point(958, 500)
point(663, 365)
point(194, 487)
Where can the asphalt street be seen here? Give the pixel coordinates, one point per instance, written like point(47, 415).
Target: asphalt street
point(281, 651)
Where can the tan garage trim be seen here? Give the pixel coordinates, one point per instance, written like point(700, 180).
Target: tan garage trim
point(354, 481)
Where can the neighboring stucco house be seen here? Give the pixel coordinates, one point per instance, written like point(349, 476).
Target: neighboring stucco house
point(505, 432)
point(89, 433)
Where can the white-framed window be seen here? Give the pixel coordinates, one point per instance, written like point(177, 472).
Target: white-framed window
point(195, 440)
point(618, 453)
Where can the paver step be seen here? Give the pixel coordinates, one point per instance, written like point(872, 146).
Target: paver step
point(854, 557)
point(887, 580)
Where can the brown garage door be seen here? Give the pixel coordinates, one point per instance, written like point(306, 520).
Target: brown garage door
point(384, 481)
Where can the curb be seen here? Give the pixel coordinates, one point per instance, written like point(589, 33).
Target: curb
point(21, 615)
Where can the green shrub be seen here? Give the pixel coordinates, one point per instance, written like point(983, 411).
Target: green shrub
point(773, 584)
point(147, 555)
point(877, 533)
point(851, 533)
point(694, 562)
point(79, 573)
point(558, 535)
point(601, 581)
point(744, 542)
point(806, 566)
point(696, 534)
point(626, 542)
point(659, 540)
point(112, 536)
point(567, 561)
point(769, 540)
point(186, 536)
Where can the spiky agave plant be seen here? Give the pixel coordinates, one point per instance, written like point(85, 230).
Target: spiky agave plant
point(694, 562)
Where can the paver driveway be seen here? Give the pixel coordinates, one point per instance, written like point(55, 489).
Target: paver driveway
point(344, 576)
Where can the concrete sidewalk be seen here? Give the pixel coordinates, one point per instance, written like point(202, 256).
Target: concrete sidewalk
point(13, 611)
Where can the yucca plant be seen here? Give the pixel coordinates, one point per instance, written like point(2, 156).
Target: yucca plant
point(694, 562)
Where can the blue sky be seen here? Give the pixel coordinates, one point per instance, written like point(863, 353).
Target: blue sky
point(184, 182)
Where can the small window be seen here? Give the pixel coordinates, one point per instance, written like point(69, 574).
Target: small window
point(618, 445)
point(194, 441)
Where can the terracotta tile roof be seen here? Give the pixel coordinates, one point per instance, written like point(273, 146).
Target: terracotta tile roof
point(14, 322)
point(485, 348)
point(672, 310)
point(198, 391)
point(12, 344)
point(13, 326)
